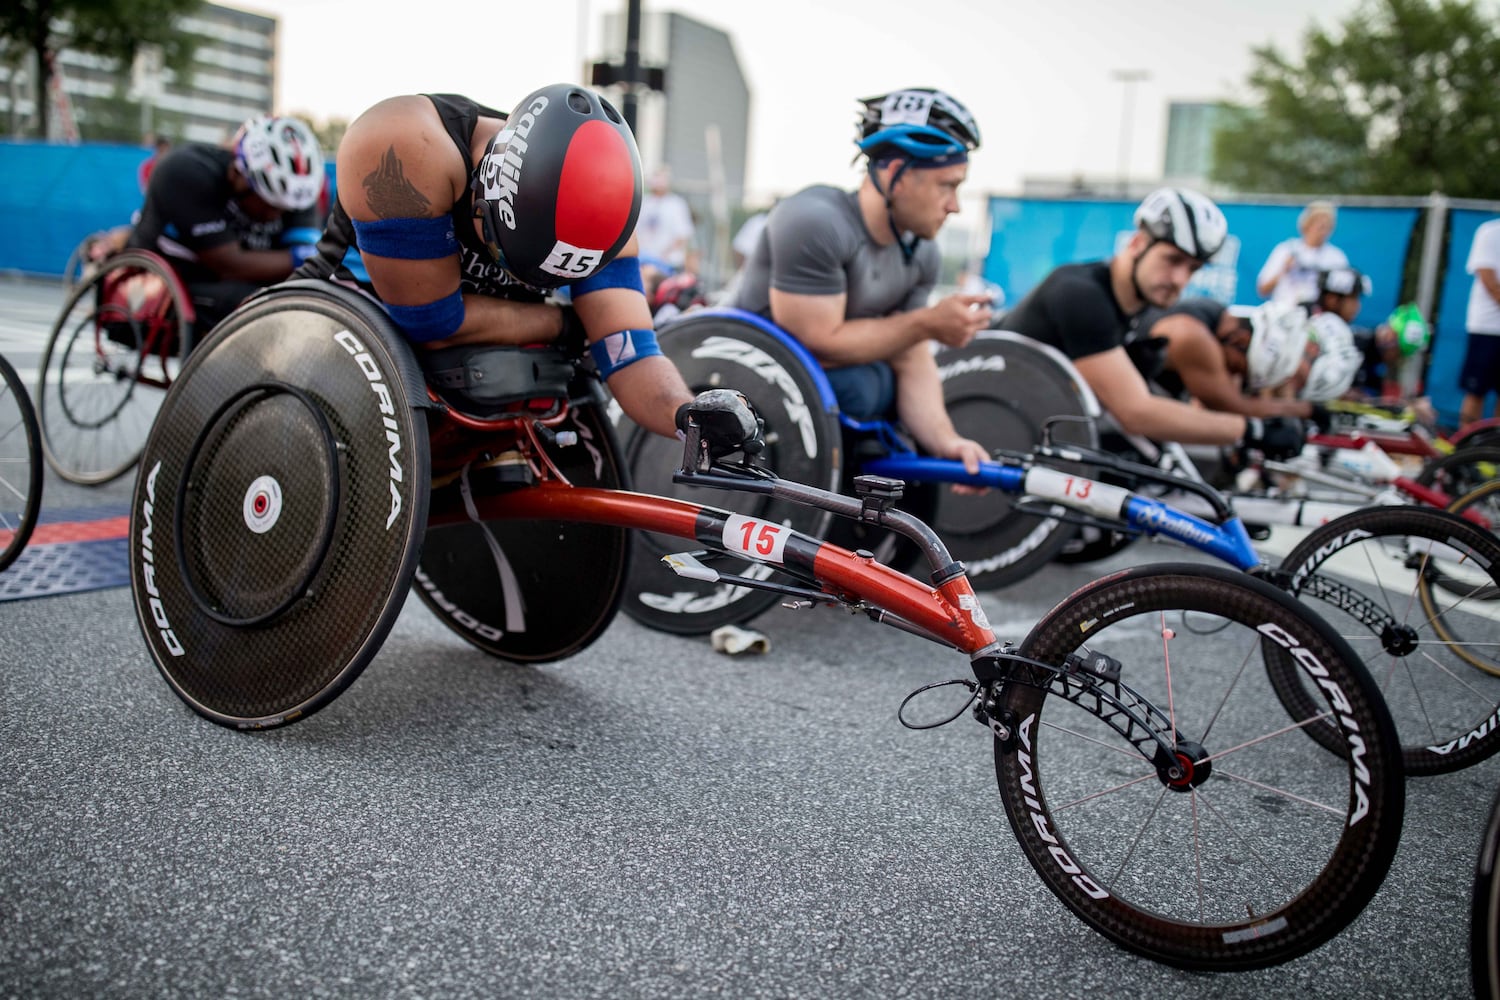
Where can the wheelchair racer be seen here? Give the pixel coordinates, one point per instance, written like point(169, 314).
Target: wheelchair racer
point(848, 273)
point(1200, 349)
point(461, 219)
point(233, 220)
point(1089, 311)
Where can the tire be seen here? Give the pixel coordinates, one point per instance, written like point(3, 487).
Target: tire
point(1482, 432)
point(723, 350)
point(1411, 589)
point(111, 356)
point(1462, 471)
point(1000, 390)
point(20, 465)
point(275, 529)
point(1262, 851)
point(81, 262)
point(1484, 920)
point(496, 583)
point(1484, 502)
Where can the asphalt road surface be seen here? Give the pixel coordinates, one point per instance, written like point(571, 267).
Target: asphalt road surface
point(646, 819)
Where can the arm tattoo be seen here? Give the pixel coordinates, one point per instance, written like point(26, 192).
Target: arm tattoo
point(390, 194)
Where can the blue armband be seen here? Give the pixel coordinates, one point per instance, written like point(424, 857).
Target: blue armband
point(408, 239)
point(622, 272)
point(432, 321)
point(623, 349)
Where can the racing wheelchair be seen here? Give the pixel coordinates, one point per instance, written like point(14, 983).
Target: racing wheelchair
point(306, 472)
point(124, 331)
point(1415, 591)
point(20, 465)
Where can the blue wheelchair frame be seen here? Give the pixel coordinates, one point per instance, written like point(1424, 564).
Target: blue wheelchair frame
point(1103, 505)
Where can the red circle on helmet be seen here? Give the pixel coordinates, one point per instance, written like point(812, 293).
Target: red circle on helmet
point(596, 189)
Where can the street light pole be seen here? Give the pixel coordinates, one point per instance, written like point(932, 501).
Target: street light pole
point(1128, 77)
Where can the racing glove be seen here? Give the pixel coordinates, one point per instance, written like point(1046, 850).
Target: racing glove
point(1322, 417)
point(1275, 437)
point(726, 420)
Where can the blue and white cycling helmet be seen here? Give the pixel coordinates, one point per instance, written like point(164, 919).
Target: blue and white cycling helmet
point(921, 124)
point(921, 127)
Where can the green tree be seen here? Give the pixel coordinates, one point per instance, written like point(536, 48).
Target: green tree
point(1401, 100)
point(114, 29)
point(330, 133)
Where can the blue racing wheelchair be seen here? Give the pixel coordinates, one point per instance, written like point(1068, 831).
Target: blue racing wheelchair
point(1000, 539)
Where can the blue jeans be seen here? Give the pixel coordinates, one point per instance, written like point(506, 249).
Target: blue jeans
point(864, 392)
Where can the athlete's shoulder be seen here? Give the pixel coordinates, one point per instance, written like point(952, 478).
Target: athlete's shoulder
point(1087, 278)
point(819, 211)
point(400, 151)
point(193, 158)
point(191, 172)
point(392, 117)
point(1201, 310)
point(819, 198)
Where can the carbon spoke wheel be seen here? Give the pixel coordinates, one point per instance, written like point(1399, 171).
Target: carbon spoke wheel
point(1412, 590)
point(1176, 810)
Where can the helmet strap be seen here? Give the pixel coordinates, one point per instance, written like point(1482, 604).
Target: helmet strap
point(907, 248)
point(1135, 266)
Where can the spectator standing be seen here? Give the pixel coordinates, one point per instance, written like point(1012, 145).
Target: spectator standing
point(1290, 275)
point(665, 230)
point(1480, 374)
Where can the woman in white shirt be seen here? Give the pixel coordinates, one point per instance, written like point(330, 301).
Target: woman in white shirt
point(1290, 275)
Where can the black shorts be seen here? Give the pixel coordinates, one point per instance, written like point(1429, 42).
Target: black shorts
point(1480, 374)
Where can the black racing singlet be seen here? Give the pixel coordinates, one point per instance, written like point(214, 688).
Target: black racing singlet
point(191, 206)
point(1074, 310)
point(338, 255)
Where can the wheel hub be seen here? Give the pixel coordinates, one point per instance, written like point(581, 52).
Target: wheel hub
point(1399, 640)
point(1185, 768)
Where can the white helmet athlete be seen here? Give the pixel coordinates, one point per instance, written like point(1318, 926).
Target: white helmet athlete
point(1185, 219)
point(1278, 343)
point(282, 160)
point(1332, 372)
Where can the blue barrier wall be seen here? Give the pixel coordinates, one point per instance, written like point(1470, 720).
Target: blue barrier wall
point(55, 195)
point(1032, 236)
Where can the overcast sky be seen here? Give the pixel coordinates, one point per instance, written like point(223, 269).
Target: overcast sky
point(1039, 77)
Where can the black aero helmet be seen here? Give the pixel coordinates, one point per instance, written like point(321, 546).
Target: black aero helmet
point(558, 190)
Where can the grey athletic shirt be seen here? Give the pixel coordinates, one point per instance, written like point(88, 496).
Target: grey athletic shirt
point(815, 243)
